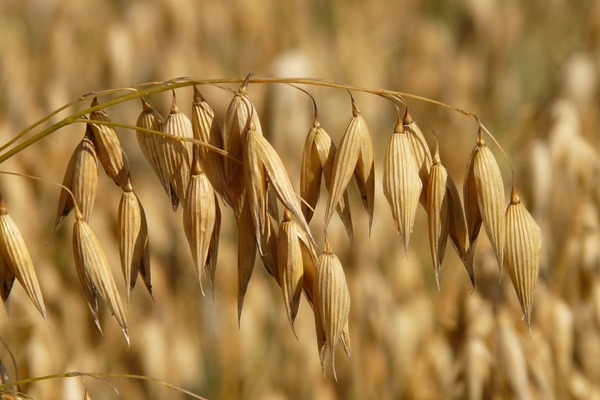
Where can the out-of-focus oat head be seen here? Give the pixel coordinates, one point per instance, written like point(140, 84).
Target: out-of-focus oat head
point(289, 240)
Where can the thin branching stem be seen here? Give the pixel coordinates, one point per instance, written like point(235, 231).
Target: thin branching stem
point(102, 376)
point(150, 88)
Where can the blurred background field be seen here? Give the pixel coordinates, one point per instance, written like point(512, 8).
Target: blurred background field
point(529, 70)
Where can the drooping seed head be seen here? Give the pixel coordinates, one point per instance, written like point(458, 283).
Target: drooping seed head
point(95, 273)
point(16, 256)
point(437, 213)
point(246, 253)
point(111, 154)
point(346, 162)
point(207, 130)
point(151, 145)
point(522, 252)
point(177, 155)
point(199, 217)
point(333, 301)
point(81, 178)
point(421, 152)
point(457, 228)
point(133, 238)
point(401, 184)
point(490, 196)
point(317, 161)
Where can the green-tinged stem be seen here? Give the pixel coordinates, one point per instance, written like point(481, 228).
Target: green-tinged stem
point(147, 89)
point(99, 375)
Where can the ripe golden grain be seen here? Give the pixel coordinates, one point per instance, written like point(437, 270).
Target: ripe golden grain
point(151, 146)
point(199, 219)
point(437, 213)
point(81, 178)
point(457, 228)
point(7, 279)
point(176, 155)
point(355, 144)
point(401, 183)
point(240, 116)
point(111, 154)
point(293, 252)
point(95, 274)
point(133, 241)
point(277, 177)
point(246, 253)
point(420, 150)
point(16, 256)
point(256, 186)
point(206, 129)
point(333, 301)
point(490, 196)
point(523, 251)
point(317, 161)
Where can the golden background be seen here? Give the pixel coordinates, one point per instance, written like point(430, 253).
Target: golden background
point(529, 70)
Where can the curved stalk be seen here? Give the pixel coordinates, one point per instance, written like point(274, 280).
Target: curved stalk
point(149, 88)
point(101, 375)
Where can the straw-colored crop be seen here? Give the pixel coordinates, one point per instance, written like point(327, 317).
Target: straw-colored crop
point(15, 257)
point(81, 178)
point(333, 302)
point(133, 241)
point(176, 156)
point(438, 213)
point(523, 252)
point(197, 163)
point(401, 183)
point(354, 157)
point(95, 273)
point(200, 211)
point(111, 154)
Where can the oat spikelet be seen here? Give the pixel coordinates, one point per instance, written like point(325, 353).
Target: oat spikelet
point(246, 254)
point(95, 272)
point(177, 155)
point(268, 242)
point(309, 274)
point(293, 252)
point(7, 279)
point(277, 177)
point(199, 218)
point(522, 252)
point(333, 300)
point(437, 213)
point(206, 129)
point(457, 228)
point(111, 154)
point(81, 178)
point(16, 256)
point(255, 183)
point(472, 211)
point(317, 161)
point(355, 148)
point(240, 116)
point(133, 239)
point(151, 145)
point(490, 196)
point(210, 267)
point(421, 152)
point(364, 174)
point(401, 183)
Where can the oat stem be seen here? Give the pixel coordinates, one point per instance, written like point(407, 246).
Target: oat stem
point(100, 375)
point(146, 89)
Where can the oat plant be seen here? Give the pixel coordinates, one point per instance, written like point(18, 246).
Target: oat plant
point(208, 164)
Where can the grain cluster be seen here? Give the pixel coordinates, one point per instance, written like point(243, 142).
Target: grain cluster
point(202, 167)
